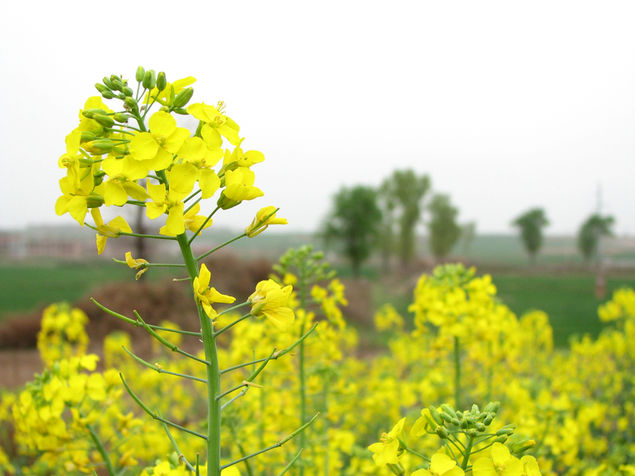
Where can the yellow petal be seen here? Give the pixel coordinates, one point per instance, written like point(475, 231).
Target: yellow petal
point(162, 124)
point(143, 146)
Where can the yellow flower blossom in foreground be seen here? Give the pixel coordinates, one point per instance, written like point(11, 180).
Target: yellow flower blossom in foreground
point(266, 216)
point(155, 149)
point(239, 186)
point(208, 295)
point(440, 465)
point(272, 300)
point(501, 462)
point(387, 450)
point(136, 264)
point(215, 123)
point(112, 230)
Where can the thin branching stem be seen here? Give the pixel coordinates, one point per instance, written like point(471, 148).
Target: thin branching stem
point(275, 445)
point(275, 355)
point(161, 370)
point(145, 408)
point(207, 253)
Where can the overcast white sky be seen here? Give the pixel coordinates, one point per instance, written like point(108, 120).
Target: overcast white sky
point(507, 104)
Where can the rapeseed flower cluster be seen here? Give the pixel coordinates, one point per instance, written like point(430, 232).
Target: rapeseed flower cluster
point(574, 407)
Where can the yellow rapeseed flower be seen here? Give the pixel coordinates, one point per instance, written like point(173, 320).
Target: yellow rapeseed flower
point(208, 295)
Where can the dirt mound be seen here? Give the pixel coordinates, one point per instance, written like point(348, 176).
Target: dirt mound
point(155, 302)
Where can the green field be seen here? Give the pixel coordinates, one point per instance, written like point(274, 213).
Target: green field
point(568, 299)
point(29, 285)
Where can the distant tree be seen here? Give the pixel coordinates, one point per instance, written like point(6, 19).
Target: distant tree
point(406, 192)
point(354, 223)
point(531, 224)
point(590, 233)
point(386, 237)
point(443, 229)
point(468, 233)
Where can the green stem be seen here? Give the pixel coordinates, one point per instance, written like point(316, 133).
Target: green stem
point(213, 371)
point(288, 467)
point(457, 373)
point(276, 445)
point(161, 370)
point(200, 228)
point(302, 369)
point(468, 451)
point(207, 253)
point(102, 450)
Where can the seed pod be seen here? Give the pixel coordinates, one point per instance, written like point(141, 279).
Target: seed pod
point(183, 97)
point(140, 74)
point(149, 80)
point(161, 81)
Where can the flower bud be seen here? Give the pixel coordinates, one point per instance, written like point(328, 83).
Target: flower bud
point(161, 81)
point(98, 178)
point(492, 407)
point(480, 427)
point(488, 419)
point(131, 105)
point(127, 91)
point(442, 432)
point(447, 408)
point(90, 113)
point(435, 416)
point(140, 74)
point(108, 95)
point(475, 410)
point(87, 136)
point(226, 203)
point(501, 439)
point(116, 82)
point(506, 430)
point(180, 110)
point(107, 82)
point(94, 201)
point(121, 117)
point(472, 432)
point(183, 97)
point(106, 121)
point(149, 80)
point(101, 88)
point(101, 145)
point(518, 444)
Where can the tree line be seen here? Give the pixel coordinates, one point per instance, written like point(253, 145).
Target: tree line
point(384, 219)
